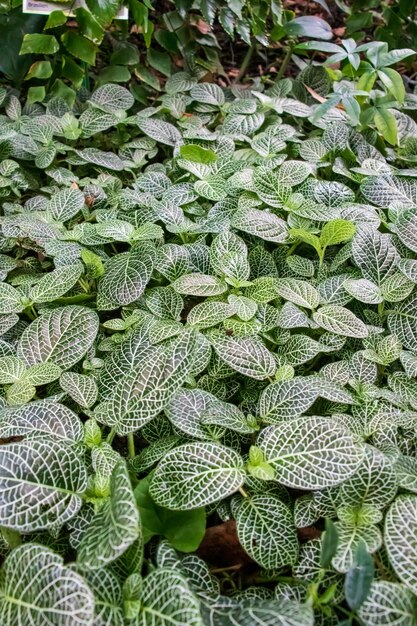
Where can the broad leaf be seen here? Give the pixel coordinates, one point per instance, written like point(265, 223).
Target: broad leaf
point(194, 475)
point(37, 588)
point(310, 453)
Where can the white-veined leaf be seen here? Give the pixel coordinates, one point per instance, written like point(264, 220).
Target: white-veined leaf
point(62, 336)
point(375, 254)
point(402, 321)
point(206, 314)
point(114, 527)
point(108, 598)
point(299, 292)
point(388, 604)
point(148, 384)
point(83, 389)
point(199, 285)
point(160, 131)
point(126, 276)
point(247, 355)
point(196, 474)
point(66, 203)
point(39, 419)
point(167, 600)
point(41, 484)
point(276, 613)
point(54, 284)
point(38, 589)
point(266, 531)
point(287, 399)
point(310, 452)
point(363, 290)
point(341, 321)
point(400, 535)
point(112, 98)
point(10, 299)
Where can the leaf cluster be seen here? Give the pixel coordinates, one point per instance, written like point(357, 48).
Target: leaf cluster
point(208, 313)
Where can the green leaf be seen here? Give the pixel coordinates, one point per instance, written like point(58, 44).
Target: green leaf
point(38, 43)
point(89, 26)
point(359, 577)
point(55, 18)
point(114, 527)
point(197, 154)
point(36, 94)
point(40, 69)
point(336, 231)
point(159, 60)
point(196, 474)
point(183, 529)
point(393, 81)
point(80, 47)
point(329, 541)
point(104, 10)
point(308, 26)
point(387, 125)
point(37, 586)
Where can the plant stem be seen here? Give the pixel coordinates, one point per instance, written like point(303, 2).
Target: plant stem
point(231, 568)
point(11, 537)
point(111, 435)
point(285, 62)
point(131, 445)
point(243, 492)
point(246, 61)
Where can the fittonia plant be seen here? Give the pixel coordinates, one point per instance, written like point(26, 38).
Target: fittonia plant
point(208, 313)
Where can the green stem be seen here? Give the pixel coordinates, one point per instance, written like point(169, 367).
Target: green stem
point(131, 446)
point(11, 537)
point(111, 435)
point(285, 62)
point(246, 61)
point(29, 313)
point(293, 247)
point(243, 492)
point(381, 309)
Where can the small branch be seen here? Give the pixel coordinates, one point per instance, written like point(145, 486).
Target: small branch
point(285, 63)
point(246, 61)
point(131, 446)
point(111, 435)
point(231, 568)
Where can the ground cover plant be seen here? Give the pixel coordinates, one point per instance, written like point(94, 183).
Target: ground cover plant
point(209, 328)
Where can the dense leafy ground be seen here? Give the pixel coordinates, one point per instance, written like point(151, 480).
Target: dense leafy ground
point(209, 318)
